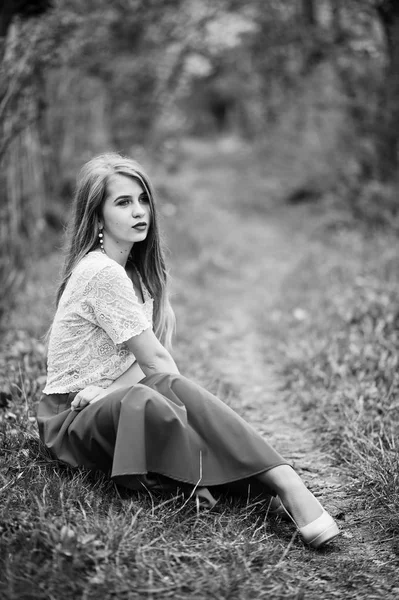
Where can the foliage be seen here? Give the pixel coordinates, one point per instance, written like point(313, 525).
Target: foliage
point(80, 78)
point(24, 145)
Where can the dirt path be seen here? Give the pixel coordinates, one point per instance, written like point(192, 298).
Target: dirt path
point(241, 268)
point(241, 297)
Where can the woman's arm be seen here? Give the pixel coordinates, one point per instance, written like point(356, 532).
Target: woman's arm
point(151, 357)
point(150, 354)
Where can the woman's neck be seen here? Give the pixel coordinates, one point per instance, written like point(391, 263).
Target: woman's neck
point(118, 252)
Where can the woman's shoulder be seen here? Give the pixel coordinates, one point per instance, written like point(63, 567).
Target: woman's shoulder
point(95, 268)
point(94, 262)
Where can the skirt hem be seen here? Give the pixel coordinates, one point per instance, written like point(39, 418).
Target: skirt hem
point(204, 482)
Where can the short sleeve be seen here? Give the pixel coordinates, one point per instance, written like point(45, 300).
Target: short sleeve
point(109, 299)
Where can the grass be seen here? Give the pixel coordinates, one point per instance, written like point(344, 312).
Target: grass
point(67, 533)
point(322, 310)
point(70, 533)
point(341, 361)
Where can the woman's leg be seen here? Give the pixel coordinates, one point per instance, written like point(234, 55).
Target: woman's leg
point(214, 426)
point(297, 499)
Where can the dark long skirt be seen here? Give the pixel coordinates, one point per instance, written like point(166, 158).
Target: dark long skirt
point(165, 425)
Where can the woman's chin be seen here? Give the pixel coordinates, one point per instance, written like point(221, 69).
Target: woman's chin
point(139, 236)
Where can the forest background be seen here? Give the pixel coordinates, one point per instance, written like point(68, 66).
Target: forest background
point(78, 77)
point(307, 90)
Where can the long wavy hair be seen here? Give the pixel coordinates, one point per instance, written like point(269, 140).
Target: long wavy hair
point(84, 227)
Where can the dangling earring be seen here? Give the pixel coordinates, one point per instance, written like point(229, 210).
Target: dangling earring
point(101, 238)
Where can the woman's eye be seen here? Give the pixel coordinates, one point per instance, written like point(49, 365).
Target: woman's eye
point(144, 199)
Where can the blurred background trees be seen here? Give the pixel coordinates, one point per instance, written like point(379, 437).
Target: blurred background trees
point(313, 84)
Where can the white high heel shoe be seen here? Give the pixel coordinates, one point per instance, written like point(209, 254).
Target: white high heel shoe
point(317, 532)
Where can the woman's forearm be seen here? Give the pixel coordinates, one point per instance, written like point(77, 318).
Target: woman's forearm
point(130, 377)
point(161, 364)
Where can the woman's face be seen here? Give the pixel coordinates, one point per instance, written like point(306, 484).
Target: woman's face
point(126, 213)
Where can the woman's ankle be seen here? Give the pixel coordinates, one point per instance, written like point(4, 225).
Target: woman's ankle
point(302, 505)
point(299, 501)
point(280, 479)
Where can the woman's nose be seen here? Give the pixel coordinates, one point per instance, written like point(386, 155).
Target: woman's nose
point(138, 209)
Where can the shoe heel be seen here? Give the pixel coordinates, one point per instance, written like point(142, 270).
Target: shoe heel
point(326, 536)
point(319, 532)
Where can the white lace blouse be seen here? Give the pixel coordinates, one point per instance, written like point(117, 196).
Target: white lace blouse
point(98, 312)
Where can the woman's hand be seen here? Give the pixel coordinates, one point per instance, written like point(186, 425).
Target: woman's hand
point(90, 394)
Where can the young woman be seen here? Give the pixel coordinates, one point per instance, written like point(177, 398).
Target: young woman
point(114, 399)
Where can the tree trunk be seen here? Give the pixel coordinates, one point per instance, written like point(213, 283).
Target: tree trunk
point(313, 52)
point(7, 9)
point(388, 128)
point(336, 20)
point(308, 13)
